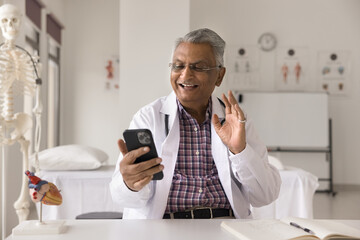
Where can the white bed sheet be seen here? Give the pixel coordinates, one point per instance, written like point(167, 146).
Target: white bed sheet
point(295, 197)
point(82, 192)
point(88, 191)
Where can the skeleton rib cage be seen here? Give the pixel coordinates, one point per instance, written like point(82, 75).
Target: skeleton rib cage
point(17, 77)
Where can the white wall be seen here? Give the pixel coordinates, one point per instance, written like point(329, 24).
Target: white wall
point(89, 113)
point(148, 30)
point(57, 8)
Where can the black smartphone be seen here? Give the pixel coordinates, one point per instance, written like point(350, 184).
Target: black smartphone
point(136, 138)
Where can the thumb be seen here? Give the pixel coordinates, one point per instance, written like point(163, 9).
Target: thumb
point(122, 147)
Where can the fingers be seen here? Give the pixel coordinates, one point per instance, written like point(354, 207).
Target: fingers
point(232, 99)
point(235, 112)
point(232, 106)
point(152, 171)
point(137, 175)
point(141, 183)
point(238, 113)
point(241, 115)
point(133, 174)
point(130, 157)
point(136, 180)
point(143, 166)
point(227, 104)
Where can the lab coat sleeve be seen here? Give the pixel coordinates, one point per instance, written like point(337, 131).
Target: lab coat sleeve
point(120, 193)
point(123, 196)
point(259, 179)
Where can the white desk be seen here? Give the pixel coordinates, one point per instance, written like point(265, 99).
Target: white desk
point(178, 229)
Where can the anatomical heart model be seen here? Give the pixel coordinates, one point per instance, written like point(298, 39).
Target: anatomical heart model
point(43, 191)
point(46, 193)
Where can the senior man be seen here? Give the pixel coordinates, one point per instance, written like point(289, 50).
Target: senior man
point(214, 164)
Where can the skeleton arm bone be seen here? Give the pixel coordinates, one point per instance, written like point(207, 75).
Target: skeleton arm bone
point(37, 110)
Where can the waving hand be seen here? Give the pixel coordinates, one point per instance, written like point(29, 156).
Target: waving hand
point(232, 132)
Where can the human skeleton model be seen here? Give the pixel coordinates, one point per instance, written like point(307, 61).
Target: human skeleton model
point(18, 75)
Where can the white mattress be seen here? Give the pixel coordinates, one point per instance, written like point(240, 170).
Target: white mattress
point(88, 191)
point(295, 197)
point(82, 192)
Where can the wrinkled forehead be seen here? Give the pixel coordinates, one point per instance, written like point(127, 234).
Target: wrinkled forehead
point(9, 11)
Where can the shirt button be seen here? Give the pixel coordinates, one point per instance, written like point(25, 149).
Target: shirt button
point(195, 129)
point(197, 153)
point(200, 190)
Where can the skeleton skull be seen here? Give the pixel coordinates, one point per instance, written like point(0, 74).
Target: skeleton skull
point(10, 20)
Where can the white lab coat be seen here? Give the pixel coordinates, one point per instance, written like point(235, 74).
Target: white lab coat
point(252, 179)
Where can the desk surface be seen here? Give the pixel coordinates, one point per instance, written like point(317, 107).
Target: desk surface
point(145, 229)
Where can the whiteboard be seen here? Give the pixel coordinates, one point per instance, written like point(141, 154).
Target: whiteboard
point(288, 120)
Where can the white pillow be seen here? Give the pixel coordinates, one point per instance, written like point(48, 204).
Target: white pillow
point(71, 157)
point(276, 162)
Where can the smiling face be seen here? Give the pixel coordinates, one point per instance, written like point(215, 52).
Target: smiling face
point(194, 88)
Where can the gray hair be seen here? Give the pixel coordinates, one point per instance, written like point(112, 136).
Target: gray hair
point(205, 35)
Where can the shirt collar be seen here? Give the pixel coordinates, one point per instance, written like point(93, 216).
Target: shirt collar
point(184, 114)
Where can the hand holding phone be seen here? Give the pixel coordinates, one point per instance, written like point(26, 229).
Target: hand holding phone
point(138, 166)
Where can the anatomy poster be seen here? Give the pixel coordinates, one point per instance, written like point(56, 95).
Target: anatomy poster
point(291, 69)
point(242, 64)
point(112, 73)
point(333, 71)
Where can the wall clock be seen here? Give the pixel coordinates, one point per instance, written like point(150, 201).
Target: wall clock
point(267, 41)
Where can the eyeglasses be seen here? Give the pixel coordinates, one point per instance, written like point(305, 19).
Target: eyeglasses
point(179, 67)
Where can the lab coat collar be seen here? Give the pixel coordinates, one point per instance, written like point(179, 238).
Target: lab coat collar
point(170, 108)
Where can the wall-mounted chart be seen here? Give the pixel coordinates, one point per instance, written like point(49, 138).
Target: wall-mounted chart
point(333, 71)
point(242, 63)
point(291, 68)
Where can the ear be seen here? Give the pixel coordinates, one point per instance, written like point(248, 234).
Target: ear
point(220, 76)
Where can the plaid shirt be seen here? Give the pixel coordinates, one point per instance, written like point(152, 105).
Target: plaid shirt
point(196, 181)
